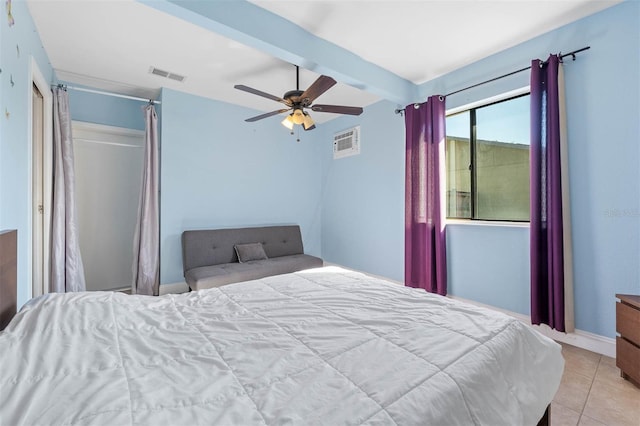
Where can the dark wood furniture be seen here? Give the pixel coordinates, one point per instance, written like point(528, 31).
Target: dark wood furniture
point(546, 417)
point(8, 275)
point(628, 343)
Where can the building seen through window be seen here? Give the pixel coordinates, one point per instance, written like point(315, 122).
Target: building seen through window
point(487, 162)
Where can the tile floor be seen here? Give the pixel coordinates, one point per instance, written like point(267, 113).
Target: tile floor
point(592, 393)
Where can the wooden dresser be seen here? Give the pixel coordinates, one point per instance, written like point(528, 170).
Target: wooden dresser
point(628, 343)
point(8, 275)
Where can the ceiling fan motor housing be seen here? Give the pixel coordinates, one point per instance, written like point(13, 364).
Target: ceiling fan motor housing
point(294, 97)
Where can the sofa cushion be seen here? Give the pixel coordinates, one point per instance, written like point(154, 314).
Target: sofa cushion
point(227, 273)
point(249, 252)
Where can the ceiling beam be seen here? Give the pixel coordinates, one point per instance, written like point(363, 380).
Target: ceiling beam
point(256, 27)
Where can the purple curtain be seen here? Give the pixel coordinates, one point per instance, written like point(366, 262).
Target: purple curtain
point(425, 264)
point(546, 232)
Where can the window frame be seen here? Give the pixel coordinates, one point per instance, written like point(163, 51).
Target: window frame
point(471, 107)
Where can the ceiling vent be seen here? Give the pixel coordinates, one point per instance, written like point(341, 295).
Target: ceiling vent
point(346, 143)
point(166, 74)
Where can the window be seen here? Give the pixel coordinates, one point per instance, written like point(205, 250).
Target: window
point(487, 161)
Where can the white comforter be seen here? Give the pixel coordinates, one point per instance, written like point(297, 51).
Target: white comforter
point(324, 346)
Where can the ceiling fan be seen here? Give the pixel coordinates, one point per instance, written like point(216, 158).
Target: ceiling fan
point(297, 100)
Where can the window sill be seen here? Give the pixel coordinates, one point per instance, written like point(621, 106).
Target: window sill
point(494, 223)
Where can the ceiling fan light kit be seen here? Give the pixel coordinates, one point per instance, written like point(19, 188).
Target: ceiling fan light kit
point(307, 122)
point(288, 122)
point(298, 117)
point(297, 101)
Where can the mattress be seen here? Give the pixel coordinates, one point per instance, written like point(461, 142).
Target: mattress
point(322, 346)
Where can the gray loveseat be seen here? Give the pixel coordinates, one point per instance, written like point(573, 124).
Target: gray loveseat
point(210, 257)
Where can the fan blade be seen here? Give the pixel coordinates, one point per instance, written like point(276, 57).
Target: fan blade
point(321, 85)
point(261, 93)
point(269, 114)
point(309, 128)
point(338, 109)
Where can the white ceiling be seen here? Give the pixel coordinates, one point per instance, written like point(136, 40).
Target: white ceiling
point(111, 45)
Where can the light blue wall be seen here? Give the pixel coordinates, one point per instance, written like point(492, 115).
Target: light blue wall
point(490, 263)
point(17, 45)
point(363, 195)
point(218, 171)
point(107, 110)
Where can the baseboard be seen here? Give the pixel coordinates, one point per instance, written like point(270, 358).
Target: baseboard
point(582, 339)
point(172, 288)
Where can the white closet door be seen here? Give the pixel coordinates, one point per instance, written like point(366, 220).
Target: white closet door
point(108, 163)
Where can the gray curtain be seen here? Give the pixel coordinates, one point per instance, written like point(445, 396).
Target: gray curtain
point(146, 246)
point(67, 272)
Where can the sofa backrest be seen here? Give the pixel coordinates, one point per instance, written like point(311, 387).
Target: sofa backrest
point(215, 246)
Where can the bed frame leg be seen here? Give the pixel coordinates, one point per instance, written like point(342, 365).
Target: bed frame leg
point(546, 417)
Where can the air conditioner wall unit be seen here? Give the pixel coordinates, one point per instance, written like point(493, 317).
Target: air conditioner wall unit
point(346, 143)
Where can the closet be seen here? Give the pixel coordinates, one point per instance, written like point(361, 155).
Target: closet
point(108, 167)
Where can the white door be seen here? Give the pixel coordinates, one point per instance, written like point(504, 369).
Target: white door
point(108, 166)
point(37, 215)
point(40, 107)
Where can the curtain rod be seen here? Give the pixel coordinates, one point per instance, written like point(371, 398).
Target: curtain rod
point(100, 92)
point(572, 54)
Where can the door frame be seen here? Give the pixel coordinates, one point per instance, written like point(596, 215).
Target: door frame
point(40, 242)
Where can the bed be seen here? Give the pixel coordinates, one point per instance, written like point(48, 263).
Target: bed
point(321, 346)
